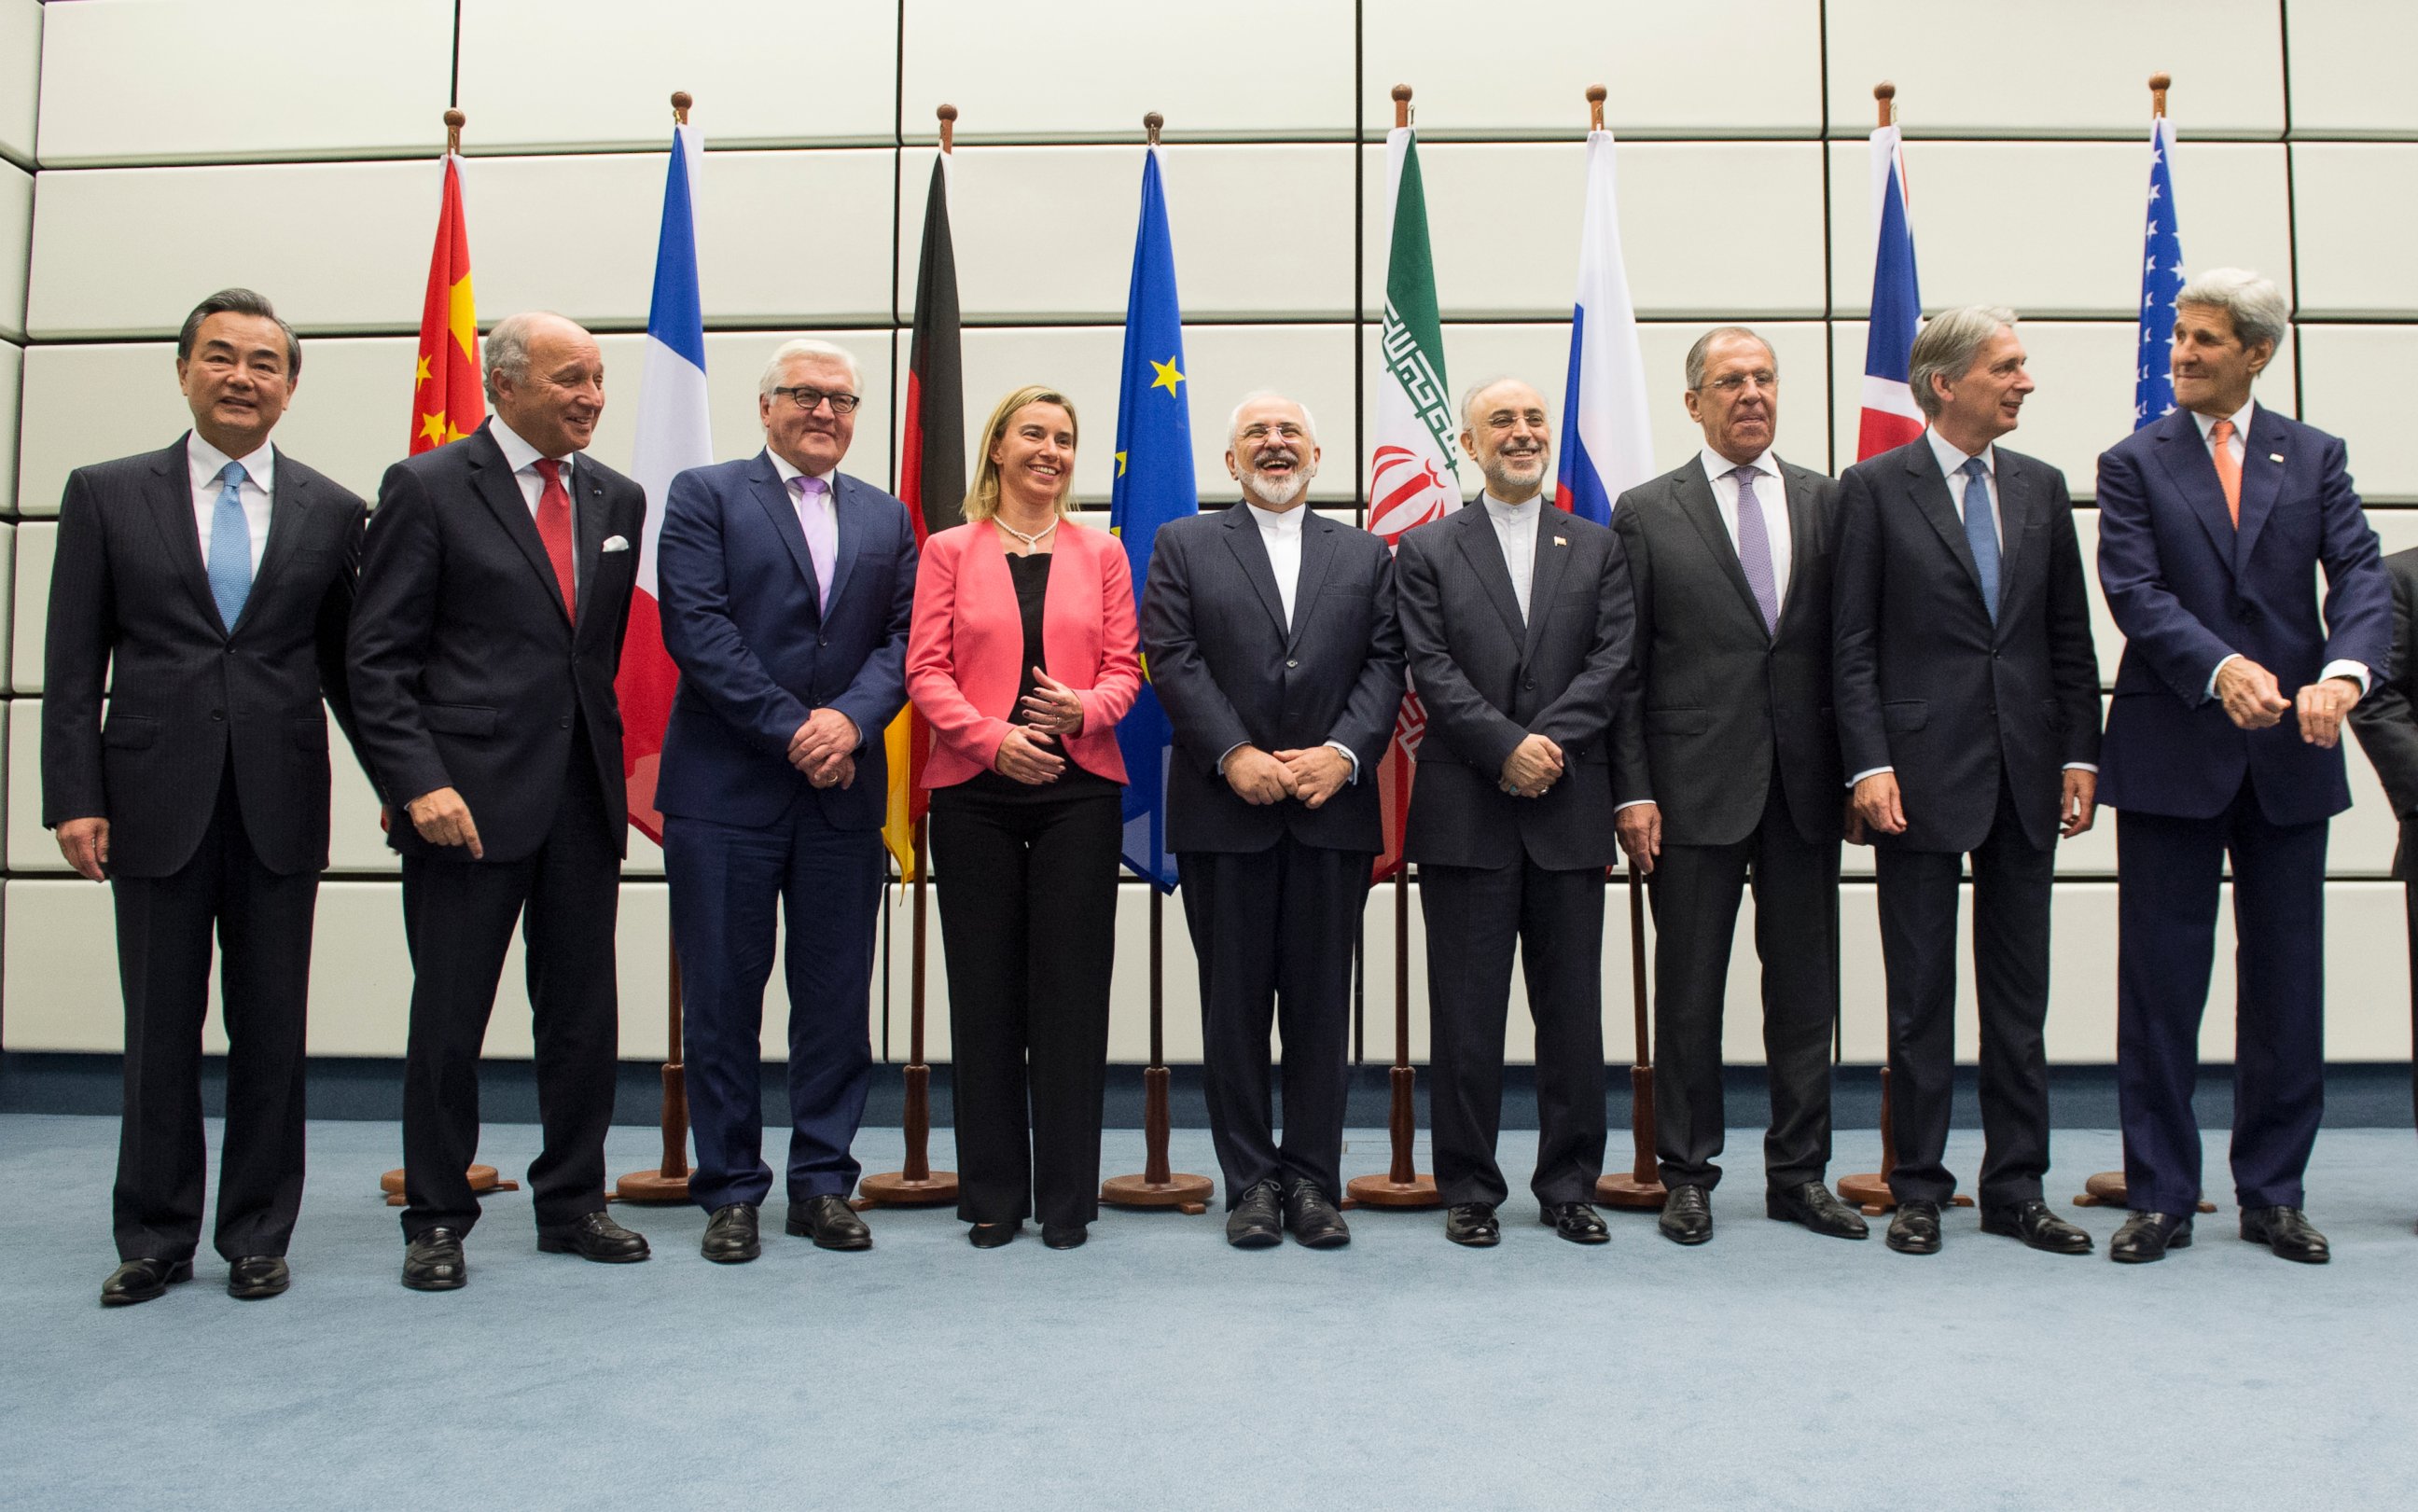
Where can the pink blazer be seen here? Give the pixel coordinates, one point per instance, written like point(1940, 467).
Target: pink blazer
point(965, 649)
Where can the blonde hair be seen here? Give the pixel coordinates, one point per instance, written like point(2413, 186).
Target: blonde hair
point(982, 498)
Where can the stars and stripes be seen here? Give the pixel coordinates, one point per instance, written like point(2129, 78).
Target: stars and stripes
point(2161, 278)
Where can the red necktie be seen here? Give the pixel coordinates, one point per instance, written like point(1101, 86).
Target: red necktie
point(554, 528)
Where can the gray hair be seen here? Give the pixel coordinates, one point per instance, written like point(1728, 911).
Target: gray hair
point(1947, 345)
point(1469, 396)
point(2256, 306)
point(1698, 354)
point(238, 302)
point(777, 367)
point(1235, 422)
point(507, 352)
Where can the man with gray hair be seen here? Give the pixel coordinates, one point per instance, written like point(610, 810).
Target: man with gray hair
point(495, 592)
point(1272, 642)
point(2223, 738)
point(1968, 698)
point(785, 586)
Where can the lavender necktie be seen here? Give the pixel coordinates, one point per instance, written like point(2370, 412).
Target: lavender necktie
point(1754, 550)
point(822, 531)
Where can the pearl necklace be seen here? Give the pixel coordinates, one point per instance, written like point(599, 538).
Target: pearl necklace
point(1033, 542)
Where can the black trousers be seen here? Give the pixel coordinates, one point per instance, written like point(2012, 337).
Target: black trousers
point(1918, 895)
point(1695, 890)
point(1273, 931)
point(2410, 910)
point(165, 924)
point(1028, 930)
point(1474, 916)
point(458, 916)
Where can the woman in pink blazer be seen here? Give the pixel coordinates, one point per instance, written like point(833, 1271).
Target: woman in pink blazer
point(1024, 657)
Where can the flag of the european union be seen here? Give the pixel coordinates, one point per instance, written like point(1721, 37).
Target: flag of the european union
point(1154, 486)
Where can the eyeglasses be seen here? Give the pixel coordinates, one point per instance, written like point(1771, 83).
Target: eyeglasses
point(1732, 382)
point(809, 399)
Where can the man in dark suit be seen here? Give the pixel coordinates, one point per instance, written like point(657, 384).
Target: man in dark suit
point(204, 590)
point(1969, 715)
point(1273, 644)
point(2387, 725)
point(786, 587)
point(495, 591)
point(1726, 766)
point(1517, 624)
point(2214, 523)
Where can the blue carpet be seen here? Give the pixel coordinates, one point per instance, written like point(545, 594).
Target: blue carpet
point(1158, 1367)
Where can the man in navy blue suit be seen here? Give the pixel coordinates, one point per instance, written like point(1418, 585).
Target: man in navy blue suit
point(2223, 738)
point(786, 589)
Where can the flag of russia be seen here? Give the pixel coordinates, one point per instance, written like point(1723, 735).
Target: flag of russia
point(1607, 447)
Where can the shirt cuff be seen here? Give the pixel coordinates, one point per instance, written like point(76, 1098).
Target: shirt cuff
point(1229, 752)
point(1353, 780)
point(1632, 803)
point(2231, 656)
point(1872, 771)
point(2356, 671)
point(2091, 767)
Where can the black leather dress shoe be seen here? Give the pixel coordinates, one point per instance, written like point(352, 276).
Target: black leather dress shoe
point(1065, 1235)
point(731, 1235)
point(1258, 1219)
point(1576, 1222)
point(593, 1236)
point(2148, 1236)
point(143, 1280)
point(2286, 1231)
point(829, 1222)
point(1686, 1214)
point(1471, 1224)
point(433, 1263)
point(2033, 1222)
point(254, 1276)
point(1313, 1219)
point(1816, 1207)
point(992, 1235)
point(1915, 1230)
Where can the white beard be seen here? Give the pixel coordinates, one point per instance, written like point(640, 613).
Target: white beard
point(1278, 493)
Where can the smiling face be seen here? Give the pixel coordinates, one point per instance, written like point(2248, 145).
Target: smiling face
point(1987, 402)
point(1738, 406)
point(235, 382)
point(555, 405)
point(1035, 457)
point(2212, 368)
point(811, 440)
point(1506, 434)
point(1271, 453)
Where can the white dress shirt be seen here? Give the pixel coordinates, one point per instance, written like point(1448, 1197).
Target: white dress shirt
point(1515, 527)
point(204, 462)
point(1771, 493)
point(2239, 445)
point(1280, 533)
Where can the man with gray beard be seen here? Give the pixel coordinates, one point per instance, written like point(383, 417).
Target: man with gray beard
point(1271, 639)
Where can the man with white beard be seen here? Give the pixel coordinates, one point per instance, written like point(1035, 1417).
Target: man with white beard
point(1270, 636)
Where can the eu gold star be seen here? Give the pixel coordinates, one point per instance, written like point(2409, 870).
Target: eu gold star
point(1120, 458)
point(1167, 377)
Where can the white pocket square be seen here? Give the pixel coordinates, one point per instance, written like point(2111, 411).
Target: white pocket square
point(617, 543)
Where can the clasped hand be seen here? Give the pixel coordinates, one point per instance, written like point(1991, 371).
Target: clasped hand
point(1533, 765)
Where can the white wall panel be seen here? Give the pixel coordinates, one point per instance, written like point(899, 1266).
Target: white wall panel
point(16, 236)
point(21, 77)
point(1090, 69)
point(1503, 222)
point(1048, 233)
point(1747, 70)
point(2071, 68)
point(2354, 201)
point(128, 80)
point(764, 72)
point(30, 847)
point(29, 606)
point(2055, 228)
point(2345, 390)
point(12, 375)
point(2349, 67)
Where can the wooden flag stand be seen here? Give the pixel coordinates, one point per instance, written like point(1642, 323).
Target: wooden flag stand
point(918, 1186)
point(1157, 1186)
point(2107, 1188)
point(1642, 1188)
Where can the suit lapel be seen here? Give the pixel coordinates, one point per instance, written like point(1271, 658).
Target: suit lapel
point(170, 495)
point(288, 520)
point(1704, 511)
point(1251, 553)
point(2184, 456)
point(848, 510)
point(2018, 501)
point(1938, 506)
point(588, 530)
point(1317, 557)
point(2262, 480)
point(1804, 537)
point(492, 478)
point(1483, 551)
point(774, 499)
point(1545, 577)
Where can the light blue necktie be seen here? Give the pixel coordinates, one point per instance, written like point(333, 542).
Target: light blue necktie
point(1981, 532)
point(1754, 550)
point(230, 546)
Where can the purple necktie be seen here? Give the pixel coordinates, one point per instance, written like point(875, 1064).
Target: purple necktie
point(1754, 550)
point(821, 525)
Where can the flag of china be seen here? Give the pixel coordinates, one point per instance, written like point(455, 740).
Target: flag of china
point(446, 401)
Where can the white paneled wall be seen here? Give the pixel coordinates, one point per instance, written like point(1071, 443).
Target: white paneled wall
point(125, 194)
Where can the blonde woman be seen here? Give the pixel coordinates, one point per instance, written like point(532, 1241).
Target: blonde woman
point(1024, 657)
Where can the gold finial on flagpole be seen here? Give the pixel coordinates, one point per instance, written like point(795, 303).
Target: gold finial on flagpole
point(1401, 106)
point(455, 121)
point(1885, 96)
point(1596, 95)
point(1151, 124)
point(2159, 84)
point(681, 100)
point(948, 114)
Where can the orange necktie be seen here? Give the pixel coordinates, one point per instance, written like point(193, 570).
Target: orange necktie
point(2229, 469)
point(554, 528)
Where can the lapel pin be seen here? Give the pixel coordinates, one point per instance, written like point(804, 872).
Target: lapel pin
point(1560, 542)
point(2275, 456)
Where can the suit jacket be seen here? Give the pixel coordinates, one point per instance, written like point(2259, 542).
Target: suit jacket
point(2188, 588)
point(1719, 706)
point(468, 673)
point(130, 610)
point(758, 652)
point(1926, 684)
point(1230, 671)
point(2386, 720)
point(965, 653)
point(1488, 682)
